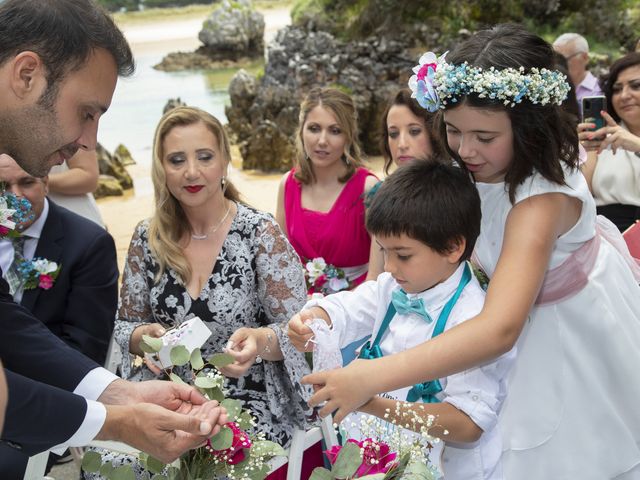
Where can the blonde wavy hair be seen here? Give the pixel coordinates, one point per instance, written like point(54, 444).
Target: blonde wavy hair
point(342, 107)
point(169, 223)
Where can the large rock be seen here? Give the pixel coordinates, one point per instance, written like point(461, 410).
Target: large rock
point(111, 165)
point(298, 60)
point(108, 186)
point(232, 31)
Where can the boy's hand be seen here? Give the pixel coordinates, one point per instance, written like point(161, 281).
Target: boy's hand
point(298, 331)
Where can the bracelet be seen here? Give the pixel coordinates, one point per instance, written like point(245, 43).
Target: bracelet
point(267, 348)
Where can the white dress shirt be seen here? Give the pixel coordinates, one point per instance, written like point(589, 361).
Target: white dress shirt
point(478, 392)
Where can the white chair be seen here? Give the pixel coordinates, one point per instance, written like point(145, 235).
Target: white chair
point(36, 466)
point(300, 442)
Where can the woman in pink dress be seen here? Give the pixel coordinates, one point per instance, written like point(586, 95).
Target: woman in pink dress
point(321, 200)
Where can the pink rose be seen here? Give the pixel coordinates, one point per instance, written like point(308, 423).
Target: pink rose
point(377, 457)
point(320, 281)
point(235, 453)
point(424, 70)
point(332, 454)
point(45, 281)
point(4, 230)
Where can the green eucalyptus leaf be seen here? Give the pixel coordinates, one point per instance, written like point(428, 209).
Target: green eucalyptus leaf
point(154, 465)
point(418, 470)
point(151, 344)
point(320, 473)
point(223, 439)
point(159, 477)
point(124, 472)
point(375, 476)
point(175, 378)
point(221, 360)
point(215, 394)
point(179, 355)
point(106, 470)
point(91, 462)
point(266, 448)
point(205, 382)
point(233, 407)
point(196, 360)
point(245, 420)
point(348, 461)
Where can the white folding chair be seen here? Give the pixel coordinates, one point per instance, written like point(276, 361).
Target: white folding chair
point(36, 466)
point(300, 442)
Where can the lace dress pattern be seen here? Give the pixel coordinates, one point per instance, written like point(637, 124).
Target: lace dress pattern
point(257, 281)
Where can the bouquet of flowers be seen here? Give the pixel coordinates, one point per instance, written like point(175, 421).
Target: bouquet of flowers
point(38, 272)
point(13, 210)
point(324, 278)
point(403, 454)
point(232, 453)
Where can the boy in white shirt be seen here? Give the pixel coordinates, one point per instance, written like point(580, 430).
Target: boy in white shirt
point(426, 219)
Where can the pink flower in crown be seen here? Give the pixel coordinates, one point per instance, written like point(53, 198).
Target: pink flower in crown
point(45, 281)
point(422, 82)
point(235, 453)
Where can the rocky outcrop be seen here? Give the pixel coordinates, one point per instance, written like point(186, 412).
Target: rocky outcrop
point(114, 177)
point(263, 115)
point(233, 30)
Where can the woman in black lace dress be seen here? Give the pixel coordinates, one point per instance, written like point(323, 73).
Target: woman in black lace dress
point(206, 254)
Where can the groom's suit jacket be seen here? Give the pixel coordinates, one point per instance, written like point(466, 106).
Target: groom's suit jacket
point(42, 370)
point(80, 308)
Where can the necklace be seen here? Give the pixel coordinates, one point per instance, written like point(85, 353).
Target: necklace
point(204, 236)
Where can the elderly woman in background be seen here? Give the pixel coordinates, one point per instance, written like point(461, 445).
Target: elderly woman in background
point(321, 200)
point(406, 134)
point(613, 166)
point(204, 253)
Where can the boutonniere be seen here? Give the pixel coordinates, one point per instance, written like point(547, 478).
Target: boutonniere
point(13, 210)
point(325, 278)
point(38, 272)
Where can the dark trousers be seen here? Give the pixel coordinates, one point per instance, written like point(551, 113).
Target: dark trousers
point(623, 216)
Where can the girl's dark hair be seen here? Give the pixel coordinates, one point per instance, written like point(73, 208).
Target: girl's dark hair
point(403, 98)
point(629, 60)
point(428, 201)
point(544, 136)
point(63, 33)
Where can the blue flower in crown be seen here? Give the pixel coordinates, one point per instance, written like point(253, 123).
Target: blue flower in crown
point(422, 83)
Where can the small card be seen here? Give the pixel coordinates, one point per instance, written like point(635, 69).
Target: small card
point(191, 334)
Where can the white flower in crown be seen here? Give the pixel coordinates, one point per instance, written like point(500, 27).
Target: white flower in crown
point(422, 82)
point(6, 214)
point(316, 267)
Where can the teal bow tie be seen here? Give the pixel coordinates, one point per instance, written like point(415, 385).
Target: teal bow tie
point(405, 305)
point(425, 391)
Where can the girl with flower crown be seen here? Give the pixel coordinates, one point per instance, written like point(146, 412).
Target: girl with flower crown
point(562, 288)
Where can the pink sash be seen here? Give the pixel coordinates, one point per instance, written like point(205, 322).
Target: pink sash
point(572, 275)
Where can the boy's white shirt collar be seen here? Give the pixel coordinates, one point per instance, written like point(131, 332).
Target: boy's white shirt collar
point(436, 297)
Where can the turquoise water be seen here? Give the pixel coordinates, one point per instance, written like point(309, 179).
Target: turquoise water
point(138, 102)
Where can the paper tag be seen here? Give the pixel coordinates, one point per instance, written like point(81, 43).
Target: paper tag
point(326, 346)
point(191, 334)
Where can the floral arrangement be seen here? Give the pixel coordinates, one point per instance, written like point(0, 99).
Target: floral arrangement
point(232, 453)
point(13, 210)
point(324, 278)
point(435, 82)
point(38, 272)
point(403, 455)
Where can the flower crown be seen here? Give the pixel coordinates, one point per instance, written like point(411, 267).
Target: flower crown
point(436, 82)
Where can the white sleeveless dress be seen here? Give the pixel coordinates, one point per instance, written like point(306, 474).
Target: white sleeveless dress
point(572, 410)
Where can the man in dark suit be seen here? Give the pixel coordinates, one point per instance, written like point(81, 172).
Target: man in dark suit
point(59, 63)
point(80, 306)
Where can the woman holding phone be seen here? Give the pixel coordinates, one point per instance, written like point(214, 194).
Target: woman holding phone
point(612, 168)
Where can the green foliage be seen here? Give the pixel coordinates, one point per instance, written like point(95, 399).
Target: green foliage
point(118, 5)
point(91, 462)
point(348, 461)
point(223, 439)
point(179, 355)
point(150, 344)
point(219, 360)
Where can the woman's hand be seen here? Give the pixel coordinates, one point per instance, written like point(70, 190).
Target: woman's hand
point(612, 134)
point(243, 347)
point(152, 330)
point(587, 137)
point(299, 332)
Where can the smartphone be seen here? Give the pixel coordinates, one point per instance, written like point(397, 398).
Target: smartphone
point(591, 108)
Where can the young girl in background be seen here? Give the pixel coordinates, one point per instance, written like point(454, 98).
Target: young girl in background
point(407, 134)
point(560, 289)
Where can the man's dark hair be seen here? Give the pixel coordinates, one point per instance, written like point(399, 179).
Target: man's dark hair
point(63, 33)
point(428, 201)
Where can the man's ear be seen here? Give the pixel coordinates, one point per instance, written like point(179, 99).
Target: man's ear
point(456, 250)
point(28, 75)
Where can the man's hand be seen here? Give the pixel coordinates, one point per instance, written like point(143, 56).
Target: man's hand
point(159, 432)
point(171, 395)
point(343, 389)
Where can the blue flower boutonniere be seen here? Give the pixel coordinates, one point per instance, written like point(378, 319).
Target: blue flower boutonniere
point(38, 272)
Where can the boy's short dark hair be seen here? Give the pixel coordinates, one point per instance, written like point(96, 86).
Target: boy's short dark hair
point(429, 201)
